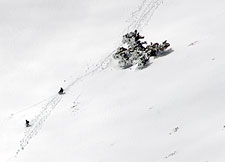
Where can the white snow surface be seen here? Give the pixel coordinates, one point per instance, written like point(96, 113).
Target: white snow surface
point(171, 111)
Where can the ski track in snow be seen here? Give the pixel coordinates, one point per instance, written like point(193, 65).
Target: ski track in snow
point(138, 20)
point(143, 14)
point(37, 123)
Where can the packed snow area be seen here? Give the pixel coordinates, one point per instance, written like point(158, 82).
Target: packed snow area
point(171, 111)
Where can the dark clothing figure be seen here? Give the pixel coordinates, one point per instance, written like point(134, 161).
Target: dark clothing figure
point(27, 123)
point(61, 91)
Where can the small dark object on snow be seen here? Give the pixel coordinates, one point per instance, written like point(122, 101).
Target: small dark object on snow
point(27, 123)
point(61, 91)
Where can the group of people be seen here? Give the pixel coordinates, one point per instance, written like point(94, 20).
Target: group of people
point(61, 92)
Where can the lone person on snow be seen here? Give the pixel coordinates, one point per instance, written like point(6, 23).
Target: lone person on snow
point(61, 91)
point(27, 123)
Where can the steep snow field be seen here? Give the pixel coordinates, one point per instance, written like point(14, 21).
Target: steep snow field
point(171, 111)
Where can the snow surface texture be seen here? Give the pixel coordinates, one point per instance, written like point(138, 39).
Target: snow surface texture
point(172, 111)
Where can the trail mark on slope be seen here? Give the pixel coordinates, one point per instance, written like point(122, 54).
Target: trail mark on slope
point(171, 154)
point(193, 43)
point(143, 14)
point(37, 123)
point(174, 130)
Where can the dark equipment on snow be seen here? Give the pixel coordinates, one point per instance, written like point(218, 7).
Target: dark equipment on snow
point(61, 91)
point(27, 123)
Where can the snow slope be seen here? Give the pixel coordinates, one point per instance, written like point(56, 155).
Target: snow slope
point(172, 111)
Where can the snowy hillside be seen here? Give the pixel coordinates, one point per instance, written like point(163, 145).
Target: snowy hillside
point(171, 111)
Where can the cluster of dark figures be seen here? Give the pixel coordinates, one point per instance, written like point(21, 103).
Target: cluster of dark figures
point(138, 51)
point(61, 92)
